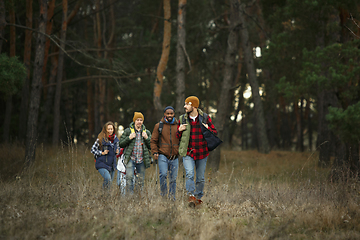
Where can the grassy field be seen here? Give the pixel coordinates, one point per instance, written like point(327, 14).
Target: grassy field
point(281, 195)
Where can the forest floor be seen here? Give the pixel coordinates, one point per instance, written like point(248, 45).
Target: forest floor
point(280, 195)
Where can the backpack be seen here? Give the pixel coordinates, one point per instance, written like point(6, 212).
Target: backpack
point(212, 140)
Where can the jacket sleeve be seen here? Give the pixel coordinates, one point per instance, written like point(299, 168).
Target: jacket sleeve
point(178, 133)
point(147, 141)
point(116, 145)
point(211, 126)
point(154, 142)
point(95, 149)
point(124, 139)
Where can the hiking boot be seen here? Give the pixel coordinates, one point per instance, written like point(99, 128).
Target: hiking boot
point(198, 202)
point(192, 198)
point(193, 201)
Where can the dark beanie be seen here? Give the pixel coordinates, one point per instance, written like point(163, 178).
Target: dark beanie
point(169, 107)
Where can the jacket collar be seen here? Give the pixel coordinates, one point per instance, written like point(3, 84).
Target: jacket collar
point(166, 122)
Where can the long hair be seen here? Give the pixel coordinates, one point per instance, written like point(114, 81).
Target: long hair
point(103, 134)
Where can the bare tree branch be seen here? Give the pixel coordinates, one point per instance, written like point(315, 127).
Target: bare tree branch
point(66, 52)
point(105, 49)
point(187, 57)
point(97, 77)
point(352, 19)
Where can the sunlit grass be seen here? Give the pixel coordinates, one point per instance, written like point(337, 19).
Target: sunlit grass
point(281, 195)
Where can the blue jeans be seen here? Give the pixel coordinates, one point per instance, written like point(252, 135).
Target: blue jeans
point(200, 165)
point(172, 166)
point(140, 175)
point(108, 177)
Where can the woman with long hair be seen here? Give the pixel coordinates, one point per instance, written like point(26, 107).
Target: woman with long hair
point(105, 149)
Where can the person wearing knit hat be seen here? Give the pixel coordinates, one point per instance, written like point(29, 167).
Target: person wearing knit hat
point(138, 115)
point(193, 101)
point(193, 147)
point(136, 141)
point(169, 107)
point(165, 148)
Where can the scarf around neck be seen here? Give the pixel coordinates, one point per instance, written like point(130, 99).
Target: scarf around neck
point(172, 122)
point(111, 137)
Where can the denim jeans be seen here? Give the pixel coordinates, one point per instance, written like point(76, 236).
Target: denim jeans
point(140, 176)
point(189, 164)
point(172, 166)
point(108, 177)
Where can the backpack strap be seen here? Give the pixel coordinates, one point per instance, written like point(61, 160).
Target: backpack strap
point(182, 119)
point(132, 130)
point(161, 125)
point(205, 117)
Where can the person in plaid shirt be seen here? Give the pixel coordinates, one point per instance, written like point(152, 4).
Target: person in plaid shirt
point(136, 141)
point(105, 149)
point(193, 147)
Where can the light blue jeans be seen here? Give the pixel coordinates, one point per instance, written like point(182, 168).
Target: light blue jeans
point(108, 177)
point(172, 166)
point(140, 176)
point(190, 164)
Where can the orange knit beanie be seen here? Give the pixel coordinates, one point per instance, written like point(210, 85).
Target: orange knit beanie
point(193, 101)
point(138, 115)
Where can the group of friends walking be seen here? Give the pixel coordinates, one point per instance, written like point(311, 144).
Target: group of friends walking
point(169, 140)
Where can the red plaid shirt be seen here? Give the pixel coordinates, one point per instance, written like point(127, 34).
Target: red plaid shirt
point(197, 148)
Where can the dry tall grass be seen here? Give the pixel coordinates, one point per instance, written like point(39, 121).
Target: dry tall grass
point(281, 195)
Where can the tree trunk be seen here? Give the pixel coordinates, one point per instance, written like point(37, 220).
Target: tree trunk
point(8, 110)
point(326, 139)
point(44, 122)
point(48, 91)
point(299, 129)
point(31, 135)
point(109, 93)
point(7, 120)
point(244, 133)
point(239, 107)
point(55, 139)
point(258, 105)
point(90, 97)
point(164, 57)
point(156, 21)
point(27, 58)
point(310, 131)
point(2, 23)
point(96, 108)
point(90, 105)
point(180, 58)
point(224, 99)
point(302, 125)
point(49, 24)
point(75, 11)
point(101, 83)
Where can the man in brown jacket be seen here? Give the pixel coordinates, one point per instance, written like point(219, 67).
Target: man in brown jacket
point(165, 148)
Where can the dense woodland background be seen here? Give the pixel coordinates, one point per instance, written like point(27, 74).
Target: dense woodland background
point(273, 74)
